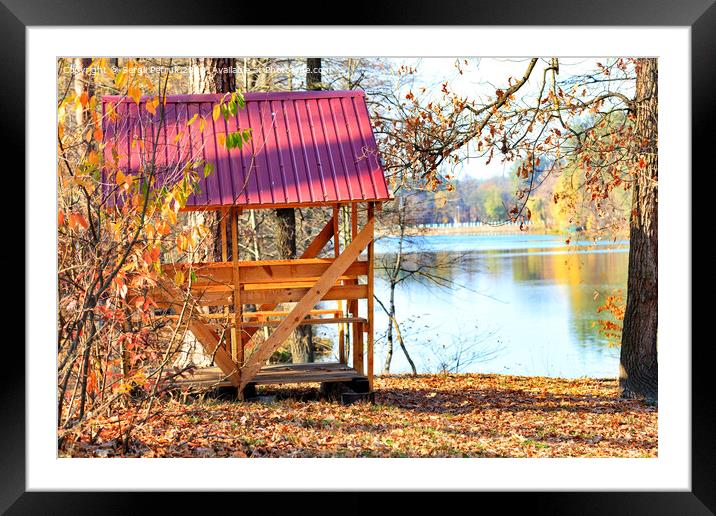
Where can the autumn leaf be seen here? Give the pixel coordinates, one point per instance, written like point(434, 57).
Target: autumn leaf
point(163, 228)
point(77, 220)
point(135, 94)
point(179, 277)
point(151, 105)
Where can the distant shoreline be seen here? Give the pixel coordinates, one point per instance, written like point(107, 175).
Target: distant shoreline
point(485, 229)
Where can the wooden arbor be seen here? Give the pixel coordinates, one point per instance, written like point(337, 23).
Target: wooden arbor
point(306, 149)
point(233, 284)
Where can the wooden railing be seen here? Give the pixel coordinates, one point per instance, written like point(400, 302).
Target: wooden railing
point(264, 282)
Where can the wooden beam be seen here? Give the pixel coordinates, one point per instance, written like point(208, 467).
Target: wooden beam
point(370, 316)
point(358, 347)
point(306, 304)
point(297, 270)
point(205, 335)
point(266, 297)
point(353, 304)
point(272, 297)
point(263, 315)
point(319, 242)
point(238, 352)
point(339, 303)
point(313, 322)
point(264, 271)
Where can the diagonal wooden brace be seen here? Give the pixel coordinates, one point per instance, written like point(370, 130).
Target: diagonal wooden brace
point(306, 304)
point(205, 335)
point(315, 247)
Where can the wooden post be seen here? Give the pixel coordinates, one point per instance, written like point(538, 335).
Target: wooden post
point(222, 225)
point(369, 367)
point(223, 214)
point(339, 303)
point(358, 347)
point(238, 351)
point(353, 304)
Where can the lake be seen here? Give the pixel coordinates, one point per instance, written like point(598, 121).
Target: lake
point(522, 304)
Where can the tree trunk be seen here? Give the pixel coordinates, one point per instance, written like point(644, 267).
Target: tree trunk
point(393, 277)
point(212, 75)
point(638, 372)
point(389, 336)
point(313, 73)
point(302, 342)
point(207, 75)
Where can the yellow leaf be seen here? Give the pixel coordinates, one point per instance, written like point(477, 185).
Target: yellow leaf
point(93, 158)
point(179, 278)
point(221, 138)
point(135, 93)
point(121, 78)
point(152, 105)
point(120, 178)
point(181, 243)
point(216, 111)
point(192, 119)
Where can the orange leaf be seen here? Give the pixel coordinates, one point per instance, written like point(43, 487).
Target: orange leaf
point(78, 220)
point(151, 105)
point(163, 228)
point(135, 93)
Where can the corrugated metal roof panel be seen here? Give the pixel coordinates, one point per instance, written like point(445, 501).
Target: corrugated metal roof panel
point(307, 147)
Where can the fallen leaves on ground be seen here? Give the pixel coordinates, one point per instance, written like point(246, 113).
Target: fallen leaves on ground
point(461, 415)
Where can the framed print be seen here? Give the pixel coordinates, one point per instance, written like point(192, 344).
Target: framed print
point(425, 261)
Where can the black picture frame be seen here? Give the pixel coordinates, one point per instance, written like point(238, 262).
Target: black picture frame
point(16, 15)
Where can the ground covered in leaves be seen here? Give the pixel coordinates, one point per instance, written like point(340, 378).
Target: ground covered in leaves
point(462, 415)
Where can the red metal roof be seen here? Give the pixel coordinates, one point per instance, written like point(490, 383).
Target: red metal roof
point(307, 147)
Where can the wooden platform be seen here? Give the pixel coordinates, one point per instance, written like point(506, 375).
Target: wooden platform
point(276, 374)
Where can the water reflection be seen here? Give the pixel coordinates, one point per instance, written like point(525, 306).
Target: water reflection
point(517, 304)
